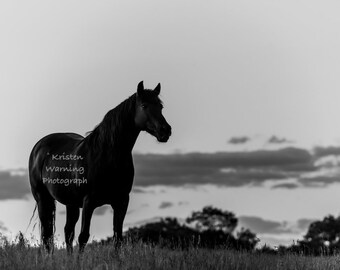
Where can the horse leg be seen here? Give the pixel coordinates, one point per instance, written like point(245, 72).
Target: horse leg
point(84, 235)
point(72, 216)
point(119, 215)
point(46, 209)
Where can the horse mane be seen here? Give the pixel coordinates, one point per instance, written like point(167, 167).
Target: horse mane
point(107, 132)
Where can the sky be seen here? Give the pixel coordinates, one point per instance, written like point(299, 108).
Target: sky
point(250, 89)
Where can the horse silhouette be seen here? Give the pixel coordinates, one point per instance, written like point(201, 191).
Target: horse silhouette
point(88, 172)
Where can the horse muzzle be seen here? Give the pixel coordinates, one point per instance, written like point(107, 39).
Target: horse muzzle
point(164, 133)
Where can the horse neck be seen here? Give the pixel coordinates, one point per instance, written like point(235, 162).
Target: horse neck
point(115, 136)
point(124, 138)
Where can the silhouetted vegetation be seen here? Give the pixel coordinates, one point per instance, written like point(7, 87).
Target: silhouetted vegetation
point(213, 219)
point(194, 244)
point(322, 238)
point(214, 228)
point(210, 228)
point(17, 255)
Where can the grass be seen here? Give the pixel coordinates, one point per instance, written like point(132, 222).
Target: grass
point(143, 256)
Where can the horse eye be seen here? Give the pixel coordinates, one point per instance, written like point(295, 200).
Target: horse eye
point(144, 106)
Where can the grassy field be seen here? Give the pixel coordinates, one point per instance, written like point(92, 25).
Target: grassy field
point(142, 256)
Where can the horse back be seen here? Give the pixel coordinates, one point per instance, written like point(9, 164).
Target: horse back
point(45, 158)
point(53, 143)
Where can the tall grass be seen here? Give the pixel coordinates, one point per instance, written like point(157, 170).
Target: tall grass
point(21, 255)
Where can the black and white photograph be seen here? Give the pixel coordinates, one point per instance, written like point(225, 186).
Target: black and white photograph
point(170, 134)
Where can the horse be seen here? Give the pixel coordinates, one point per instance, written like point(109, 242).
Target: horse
point(91, 171)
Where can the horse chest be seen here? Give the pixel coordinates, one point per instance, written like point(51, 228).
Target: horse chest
point(113, 180)
point(116, 184)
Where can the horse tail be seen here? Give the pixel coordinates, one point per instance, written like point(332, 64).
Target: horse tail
point(53, 217)
point(33, 214)
point(29, 224)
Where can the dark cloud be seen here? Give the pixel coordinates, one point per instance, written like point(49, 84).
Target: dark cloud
point(233, 169)
point(100, 211)
point(262, 158)
point(326, 151)
point(164, 205)
point(286, 186)
point(319, 181)
point(14, 184)
point(263, 226)
point(239, 140)
point(140, 190)
point(223, 168)
point(275, 140)
point(260, 225)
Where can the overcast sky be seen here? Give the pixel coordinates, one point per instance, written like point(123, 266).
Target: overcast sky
point(239, 77)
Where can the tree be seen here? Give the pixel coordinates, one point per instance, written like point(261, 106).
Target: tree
point(213, 219)
point(323, 237)
point(166, 232)
point(216, 227)
point(246, 240)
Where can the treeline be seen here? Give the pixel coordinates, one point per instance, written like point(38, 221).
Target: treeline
point(214, 228)
point(322, 238)
point(208, 228)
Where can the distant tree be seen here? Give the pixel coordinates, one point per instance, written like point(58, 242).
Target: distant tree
point(323, 237)
point(213, 219)
point(166, 232)
point(246, 240)
point(220, 225)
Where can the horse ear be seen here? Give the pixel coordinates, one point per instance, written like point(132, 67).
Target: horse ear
point(158, 89)
point(140, 89)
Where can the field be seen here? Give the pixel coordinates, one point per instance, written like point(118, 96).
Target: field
point(142, 256)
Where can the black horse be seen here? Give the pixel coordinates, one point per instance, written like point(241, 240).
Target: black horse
point(92, 171)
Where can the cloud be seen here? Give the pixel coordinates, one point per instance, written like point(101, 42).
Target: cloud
point(326, 151)
point(100, 211)
point(239, 140)
point(319, 181)
point(286, 186)
point(275, 140)
point(223, 168)
point(14, 184)
point(141, 190)
point(260, 225)
point(164, 205)
point(263, 226)
point(291, 167)
point(261, 158)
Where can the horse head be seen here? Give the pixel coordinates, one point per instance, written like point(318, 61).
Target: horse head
point(149, 115)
